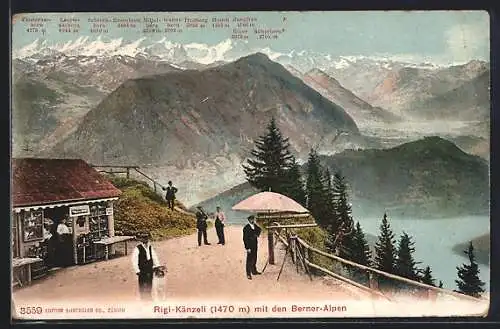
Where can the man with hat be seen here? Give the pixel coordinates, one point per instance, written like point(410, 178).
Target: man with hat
point(201, 225)
point(250, 234)
point(170, 195)
point(144, 261)
point(220, 221)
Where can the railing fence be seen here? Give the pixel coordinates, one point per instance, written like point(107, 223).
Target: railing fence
point(378, 283)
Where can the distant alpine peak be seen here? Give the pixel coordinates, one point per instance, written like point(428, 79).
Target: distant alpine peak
point(162, 49)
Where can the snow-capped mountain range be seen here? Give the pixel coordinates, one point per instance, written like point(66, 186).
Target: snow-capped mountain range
point(225, 51)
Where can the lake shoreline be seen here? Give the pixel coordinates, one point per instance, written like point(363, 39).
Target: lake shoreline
point(481, 246)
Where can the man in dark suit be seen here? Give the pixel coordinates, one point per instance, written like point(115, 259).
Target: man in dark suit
point(250, 234)
point(201, 225)
point(170, 195)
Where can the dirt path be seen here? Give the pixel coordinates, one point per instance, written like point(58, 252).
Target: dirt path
point(212, 272)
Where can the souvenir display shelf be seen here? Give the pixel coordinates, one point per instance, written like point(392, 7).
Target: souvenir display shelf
point(87, 250)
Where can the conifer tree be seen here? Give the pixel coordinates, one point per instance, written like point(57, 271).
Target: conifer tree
point(405, 263)
point(340, 226)
point(385, 251)
point(315, 190)
point(331, 194)
point(272, 166)
point(427, 277)
point(342, 223)
point(293, 185)
point(361, 253)
point(468, 281)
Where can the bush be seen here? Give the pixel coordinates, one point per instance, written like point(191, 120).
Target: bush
point(316, 237)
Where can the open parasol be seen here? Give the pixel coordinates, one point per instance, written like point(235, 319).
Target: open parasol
point(270, 203)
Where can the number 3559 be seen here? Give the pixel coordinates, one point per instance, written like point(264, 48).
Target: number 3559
point(31, 310)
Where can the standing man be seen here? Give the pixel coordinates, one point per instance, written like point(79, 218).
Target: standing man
point(170, 195)
point(250, 234)
point(220, 220)
point(144, 261)
point(201, 225)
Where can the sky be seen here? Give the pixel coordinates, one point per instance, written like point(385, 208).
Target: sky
point(451, 36)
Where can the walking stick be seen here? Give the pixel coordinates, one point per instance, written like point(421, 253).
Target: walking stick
point(265, 265)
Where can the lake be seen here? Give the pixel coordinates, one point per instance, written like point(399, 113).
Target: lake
point(434, 240)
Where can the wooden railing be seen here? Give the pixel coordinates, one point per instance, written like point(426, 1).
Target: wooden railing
point(128, 170)
point(301, 254)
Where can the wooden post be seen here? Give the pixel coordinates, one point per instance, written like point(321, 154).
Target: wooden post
point(154, 186)
point(292, 247)
point(306, 259)
point(111, 220)
point(128, 172)
point(296, 253)
point(372, 281)
point(83, 251)
point(111, 224)
point(75, 247)
point(270, 243)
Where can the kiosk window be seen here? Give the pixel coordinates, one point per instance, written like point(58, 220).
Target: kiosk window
point(32, 225)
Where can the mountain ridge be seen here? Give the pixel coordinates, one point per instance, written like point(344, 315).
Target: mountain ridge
point(360, 110)
point(248, 91)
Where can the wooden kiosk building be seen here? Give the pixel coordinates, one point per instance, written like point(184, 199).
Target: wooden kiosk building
point(47, 192)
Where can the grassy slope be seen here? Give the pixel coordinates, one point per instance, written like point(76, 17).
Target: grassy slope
point(139, 209)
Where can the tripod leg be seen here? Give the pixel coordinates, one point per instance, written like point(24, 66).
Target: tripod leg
point(283, 265)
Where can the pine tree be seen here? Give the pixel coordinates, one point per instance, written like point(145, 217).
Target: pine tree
point(427, 277)
point(330, 208)
point(272, 166)
point(468, 276)
point(315, 190)
point(293, 186)
point(440, 284)
point(385, 251)
point(405, 263)
point(342, 223)
point(331, 194)
point(361, 253)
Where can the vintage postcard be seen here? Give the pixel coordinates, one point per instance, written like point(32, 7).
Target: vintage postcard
point(174, 165)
